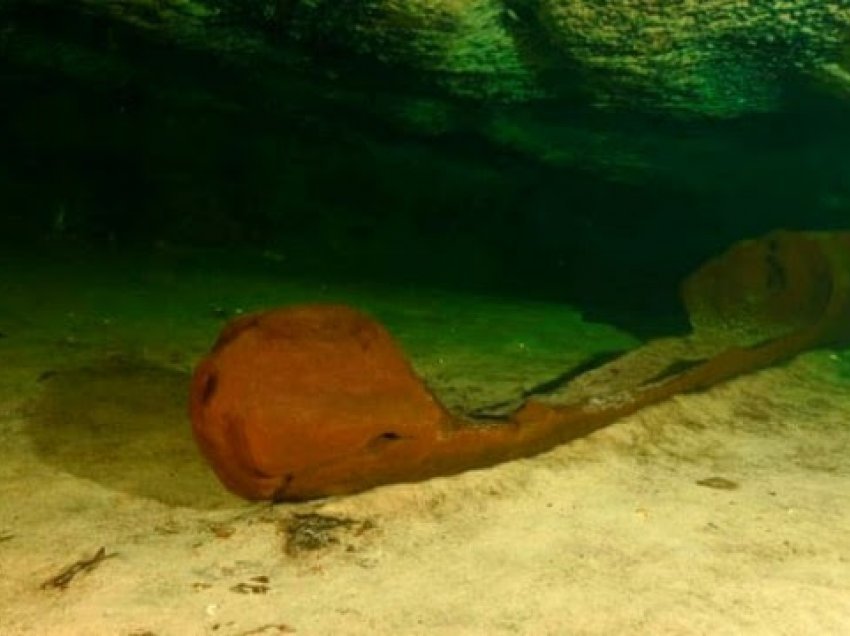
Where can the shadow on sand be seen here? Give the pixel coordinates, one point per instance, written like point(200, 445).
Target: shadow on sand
point(122, 423)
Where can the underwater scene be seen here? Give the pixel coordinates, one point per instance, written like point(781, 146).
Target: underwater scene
point(424, 317)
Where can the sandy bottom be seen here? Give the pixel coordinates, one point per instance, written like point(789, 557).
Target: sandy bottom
point(725, 512)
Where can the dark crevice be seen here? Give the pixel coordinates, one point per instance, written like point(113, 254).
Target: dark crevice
point(210, 386)
point(675, 368)
point(499, 410)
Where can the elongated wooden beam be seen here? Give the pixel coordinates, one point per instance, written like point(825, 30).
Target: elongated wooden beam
point(317, 400)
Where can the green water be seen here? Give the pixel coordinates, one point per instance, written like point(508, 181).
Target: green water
point(516, 189)
point(454, 155)
point(277, 131)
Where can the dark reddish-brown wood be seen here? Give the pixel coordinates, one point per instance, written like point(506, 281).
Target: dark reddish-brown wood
point(316, 400)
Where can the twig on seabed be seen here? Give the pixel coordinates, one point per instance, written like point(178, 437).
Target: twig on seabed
point(64, 578)
point(281, 628)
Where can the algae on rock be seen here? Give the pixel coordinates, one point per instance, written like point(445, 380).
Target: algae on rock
point(696, 58)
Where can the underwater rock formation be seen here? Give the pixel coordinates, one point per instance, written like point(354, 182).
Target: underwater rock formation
point(311, 401)
point(709, 58)
point(632, 90)
point(712, 57)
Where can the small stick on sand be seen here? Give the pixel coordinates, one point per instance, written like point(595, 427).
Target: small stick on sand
point(64, 578)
